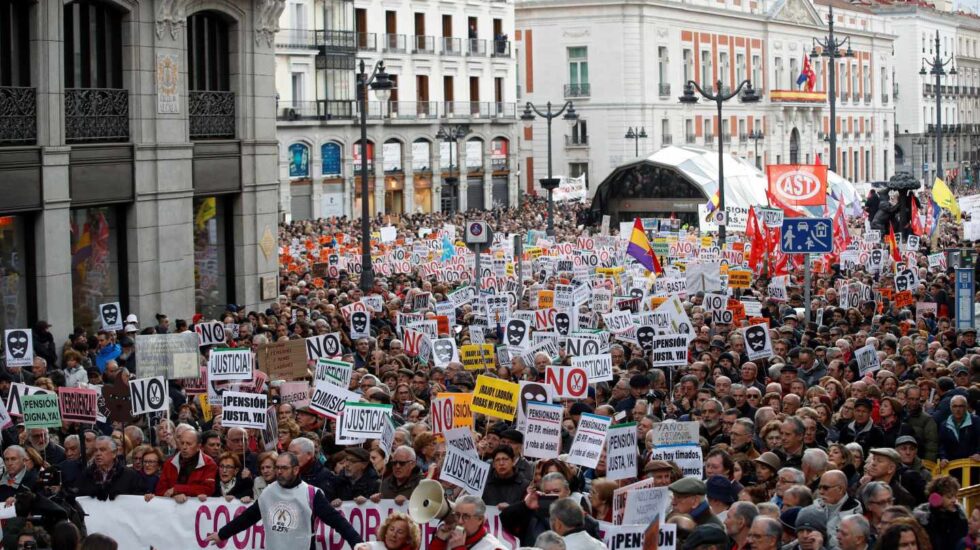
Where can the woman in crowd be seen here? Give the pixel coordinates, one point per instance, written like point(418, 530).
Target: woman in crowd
point(601, 499)
point(942, 516)
point(150, 467)
point(397, 532)
point(230, 483)
point(267, 474)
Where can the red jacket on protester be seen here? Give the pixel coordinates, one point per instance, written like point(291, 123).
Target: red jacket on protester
point(200, 482)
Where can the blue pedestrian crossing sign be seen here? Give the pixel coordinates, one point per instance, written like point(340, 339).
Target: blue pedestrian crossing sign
point(807, 236)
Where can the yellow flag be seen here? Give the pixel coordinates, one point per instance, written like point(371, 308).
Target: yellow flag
point(944, 198)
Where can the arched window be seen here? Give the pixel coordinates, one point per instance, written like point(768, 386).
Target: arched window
point(299, 161)
point(498, 154)
point(330, 159)
point(18, 100)
point(211, 103)
point(474, 155)
point(391, 153)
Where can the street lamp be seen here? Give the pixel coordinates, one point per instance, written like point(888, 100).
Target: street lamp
point(636, 135)
point(921, 143)
point(451, 134)
point(755, 136)
point(690, 98)
point(381, 83)
point(830, 47)
point(550, 183)
point(937, 67)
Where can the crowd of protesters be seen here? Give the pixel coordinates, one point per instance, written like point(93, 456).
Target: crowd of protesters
point(800, 449)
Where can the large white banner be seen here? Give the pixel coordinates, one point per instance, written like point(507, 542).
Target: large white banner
point(162, 524)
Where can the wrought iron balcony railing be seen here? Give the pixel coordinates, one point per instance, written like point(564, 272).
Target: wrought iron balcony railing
point(96, 115)
point(212, 114)
point(18, 116)
point(665, 90)
point(367, 41)
point(577, 90)
point(336, 40)
point(296, 38)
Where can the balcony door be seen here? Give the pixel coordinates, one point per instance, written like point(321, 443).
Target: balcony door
point(18, 100)
point(211, 103)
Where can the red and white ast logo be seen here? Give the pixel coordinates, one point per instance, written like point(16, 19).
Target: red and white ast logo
point(798, 185)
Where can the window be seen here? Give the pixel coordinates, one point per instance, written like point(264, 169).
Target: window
point(794, 71)
point(15, 275)
point(723, 66)
point(93, 45)
point(709, 128)
point(757, 72)
point(578, 65)
point(580, 134)
point(299, 16)
point(779, 73)
point(689, 129)
point(297, 88)
point(96, 265)
point(579, 169)
point(663, 65)
point(299, 161)
point(15, 47)
point(664, 127)
point(688, 59)
point(210, 101)
point(741, 127)
point(705, 68)
point(739, 68)
point(724, 128)
point(330, 159)
point(211, 235)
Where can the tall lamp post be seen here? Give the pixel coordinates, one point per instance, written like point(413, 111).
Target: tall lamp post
point(937, 67)
point(381, 83)
point(830, 47)
point(636, 135)
point(755, 136)
point(550, 183)
point(451, 134)
point(921, 143)
point(748, 96)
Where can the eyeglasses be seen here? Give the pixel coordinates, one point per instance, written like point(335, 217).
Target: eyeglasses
point(150, 462)
point(400, 462)
point(467, 517)
point(885, 502)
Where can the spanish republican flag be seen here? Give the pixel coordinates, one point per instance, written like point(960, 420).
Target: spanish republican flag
point(640, 249)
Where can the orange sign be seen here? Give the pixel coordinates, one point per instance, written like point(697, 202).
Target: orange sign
point(442, 324)
point(798, 184)
point(904, 298)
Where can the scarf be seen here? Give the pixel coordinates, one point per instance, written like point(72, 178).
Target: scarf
point(476, 537)
point(187, 467)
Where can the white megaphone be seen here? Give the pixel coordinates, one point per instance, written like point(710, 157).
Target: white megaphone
point(428, 502)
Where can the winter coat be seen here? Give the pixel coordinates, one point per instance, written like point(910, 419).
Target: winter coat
point(242, 488)
point(322, 478)
point(121, 481)
point(868, 437)
point(200, 482)
point(926, 434)
point(946, 528)
point(368, 484)
point(510, 490)
point(835, 514)
point(959, 441)
point(390, 488)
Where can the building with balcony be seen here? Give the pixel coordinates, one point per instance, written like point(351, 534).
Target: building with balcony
point(916, 28)
point(137, 159)
point(625, 65)
point(452, 64)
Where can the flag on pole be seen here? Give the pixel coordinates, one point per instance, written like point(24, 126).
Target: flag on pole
point(640, 249)
point(807, 76)
point(893, 244)
point(945, 199)
point(917, 227)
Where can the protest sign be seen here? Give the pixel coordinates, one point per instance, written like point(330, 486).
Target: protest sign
point(461, 439)
point(334, 371)
point(867, 359)
point(230, 364)
point(283, 360)
point(110, 315)
point(621, 452)
point(758, 342)
point(496, 398)
point(244, 410)
point(637, 536)
point(18, 347)
point(739, 278)
point(925, 308)
point(675, 433)
point(162, 523)
point(17, 391)
point(175, 356)
point(360, 325)
point(323, 346)
point(465, 471)
point(329, 398)
point(478, 356)
point(363, 420)
point(210, 333)
point(444, 352)
point(645, 505)
point(296, 394)
point(5, 420)
point(590, 437)
point(597, 367)
point(542, 436)
point(388, 437)
point(687, 457)
point(441, 415)
point(41, 411)
point(149, 395)
point(78, 405)
point(568, 382)
point(669, 350)
point(462, 408)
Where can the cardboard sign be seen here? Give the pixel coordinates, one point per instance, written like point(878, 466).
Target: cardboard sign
point(78, 405)
point(41, 411)
point(360, 325)
point(441, 415)
point(18, 391)
point(669, 350)
point(18, 347)
point(149, 395)
point(590, 437)
point(324, 346)
point(867, 359)
point(687, 457)
point(334, 371)
point(904, 298)
point(622, 454)
point(739, 278)
point(244, 410)
point(110, 315)
point(478, 356)
point(462, 408)
point(598, 367)
point(230, 364)
point(296, 394)
point(675, 433)
point(465, 471)
point(364, 420)
point(329, 399)
point(542, 434)
point(496, 398)
point(175, 356)
point(211, 333)
point(568, 382)
point(284, 360)
point(645, 505)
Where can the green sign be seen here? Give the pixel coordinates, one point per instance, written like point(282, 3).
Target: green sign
point(40, 411)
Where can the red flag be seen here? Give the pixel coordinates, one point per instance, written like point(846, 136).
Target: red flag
point(788, 211)
point(841, 237)
point(917, 228)
point(893, 244)
point(756, 239)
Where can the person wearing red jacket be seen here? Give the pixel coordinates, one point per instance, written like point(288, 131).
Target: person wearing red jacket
point(189, 473)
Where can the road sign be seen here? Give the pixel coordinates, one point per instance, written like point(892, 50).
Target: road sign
point(965, 288)
point(477, 232)
point(719, 217)
point(807, 236)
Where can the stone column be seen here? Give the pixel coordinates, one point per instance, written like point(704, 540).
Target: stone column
point(408, 202)
point(316, 185)
point(487, 175)
point(379, 179)
point(435, 163)
point(463, 183)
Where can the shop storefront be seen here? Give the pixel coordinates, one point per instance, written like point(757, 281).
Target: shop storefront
point(212, 255)
point(300, 189)
point(474, 174)
point(332, 195)
point(16, 271)
point(501, 172)
point(422, 175)
point(98, 250)
point(394, 167)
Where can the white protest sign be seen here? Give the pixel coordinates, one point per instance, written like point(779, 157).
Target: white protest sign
point(675, 433)
point(687, 457)
point(621, 452)
point(363, 420)
point(230, 364)
point(646, 504)
point(360, 325)
point(329, 398)
point(211, 333)
point(618, 321)
point(149, 395)
point(18, 390)
point(334, 372)
point(542, 436)
point(18, 347)
point(634, 537)
point(568, 382)
point(388, 437)
point(758, 342)
point(442, 416)
point(867, 359)
point(243, 410)
point(590, 437)
point(597, 367)
point(324, 346)
point(110, 316)
point(444, 351)
point(465, 471)
point(175, 356)
point(669, 350)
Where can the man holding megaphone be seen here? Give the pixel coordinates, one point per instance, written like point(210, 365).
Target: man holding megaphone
point(465, 528)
